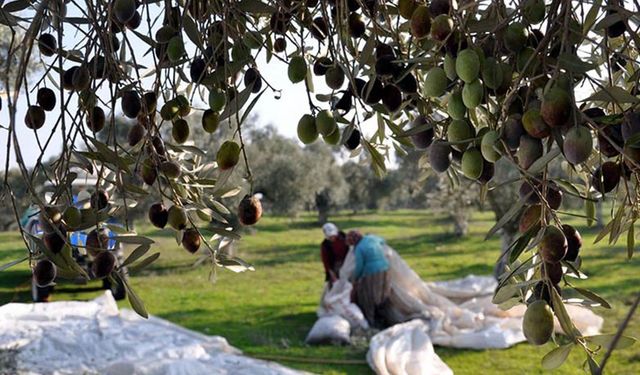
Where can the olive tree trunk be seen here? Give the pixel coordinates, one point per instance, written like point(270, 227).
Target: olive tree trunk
point(323, 204)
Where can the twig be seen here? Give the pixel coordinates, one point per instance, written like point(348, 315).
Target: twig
point(619, 333)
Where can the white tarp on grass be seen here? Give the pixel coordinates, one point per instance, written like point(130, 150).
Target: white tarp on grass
point(93, 337)
point(457, 313)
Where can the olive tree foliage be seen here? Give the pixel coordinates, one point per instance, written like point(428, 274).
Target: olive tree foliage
point(290, 177)
point(525, 81)
point(364, 187)
point(330, 188)
point(410, 182)
point(455, 199)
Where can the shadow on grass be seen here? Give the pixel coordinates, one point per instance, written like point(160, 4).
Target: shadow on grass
point(174, 268)
point(341, 223)
point(267, 325)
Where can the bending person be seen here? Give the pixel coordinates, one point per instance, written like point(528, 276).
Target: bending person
point(370, 278)
point(333, 250)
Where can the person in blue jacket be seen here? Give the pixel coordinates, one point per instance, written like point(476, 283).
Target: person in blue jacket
point(370, 277)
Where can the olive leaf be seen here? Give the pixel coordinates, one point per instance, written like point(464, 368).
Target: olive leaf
point(16, 6)
point(134, 300)
point(593, 297)
point(508, 216)
point(377, 161)
point(557, 356)
point(234, 264)
point(613, 94)
point(13, 263)
point(573, 63)
point(255, 7)
point(191, 29)
point(136, 254)
point(144, 263)
point(606, 340)
point(563, 316)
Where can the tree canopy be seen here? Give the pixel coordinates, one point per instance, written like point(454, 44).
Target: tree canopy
point(467, 82)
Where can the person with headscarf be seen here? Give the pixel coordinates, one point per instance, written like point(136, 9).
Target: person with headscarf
point(370, 278)
point(333, 250)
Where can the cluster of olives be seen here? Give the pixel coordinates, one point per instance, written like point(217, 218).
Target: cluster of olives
point(177, 218)
point(249, 212)
point(511, 74)
point(56, 225)
point(142, 107)
point(79, 78)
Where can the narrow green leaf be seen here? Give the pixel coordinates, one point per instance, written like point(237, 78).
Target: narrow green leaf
point(191, 28)
point(16, 6)
point(134, 300)
point(138, 240)
point(13, 263)
point(556, 357)
point(633, 141)
point(563, 316)
point(520, 245)
point(542, 162)
point(232, 192)
point(590, 210)
point(593, 296)
point(415, 130)
point(377, 161)
point(594, 367)
point(250, 107)
point(136, 254)
point(505, 293)
point(616, 225)
point(223, 232)
point(508, 216)
point(235, 264)
point(144, 263)
point(236, 104)
point(590, 19)
point(186, 148)
point(568, 187)
point(613, 94)
point(220, 207)
point(573, 63)
point(70, 262)
point(603, 233)
point(609, 20)
point(77, 20)
point(255, 7)
point(606, 340)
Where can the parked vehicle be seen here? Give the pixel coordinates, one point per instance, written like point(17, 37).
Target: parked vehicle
point(78, 239)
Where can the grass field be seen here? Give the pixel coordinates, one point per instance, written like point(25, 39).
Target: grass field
point(269, 312)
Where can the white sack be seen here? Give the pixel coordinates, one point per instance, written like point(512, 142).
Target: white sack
point(93, 337)
point(330, 329)
point(337, 300)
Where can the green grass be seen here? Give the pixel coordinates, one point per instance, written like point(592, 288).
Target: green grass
point(270, 311)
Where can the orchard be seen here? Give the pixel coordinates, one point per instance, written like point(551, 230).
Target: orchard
point(470, 83)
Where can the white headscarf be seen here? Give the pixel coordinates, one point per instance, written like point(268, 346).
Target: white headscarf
point(330, 230)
